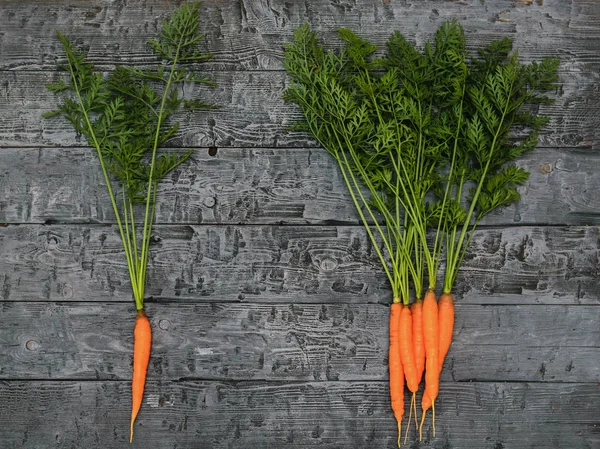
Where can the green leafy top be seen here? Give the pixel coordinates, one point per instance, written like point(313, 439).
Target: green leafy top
point(127, 115)
point(414, 128)
point(500, 95)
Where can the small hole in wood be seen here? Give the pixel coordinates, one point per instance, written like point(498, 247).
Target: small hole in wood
point(212, 151)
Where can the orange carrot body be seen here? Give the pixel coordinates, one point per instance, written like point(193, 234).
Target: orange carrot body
point(407, 350)
point(418, 342)
point(141, 356)
point(431, 338)
point(395, 364)
point(446, 320)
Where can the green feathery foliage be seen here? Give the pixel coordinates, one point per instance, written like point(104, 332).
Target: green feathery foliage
point(126, 116)
point(501, 93)
point(413, 129)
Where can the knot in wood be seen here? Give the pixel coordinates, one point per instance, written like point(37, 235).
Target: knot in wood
point(32, 345)
point(545, 168)
point(67, 291)
point(210, 201)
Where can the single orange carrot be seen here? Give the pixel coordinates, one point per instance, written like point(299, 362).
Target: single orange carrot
point(432, 340)
point(407, 355)
point(407, 350)
point(431, 336)
point(395, 366)
point(446, 320)
point(141, 356)
point(418, 342)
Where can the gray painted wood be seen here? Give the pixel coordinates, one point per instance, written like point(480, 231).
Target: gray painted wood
point(253, 113)
point(267, 186)
point(262, 373)
point(525, 265)
point(285, 342)
point(249, 35)
point(318, 414)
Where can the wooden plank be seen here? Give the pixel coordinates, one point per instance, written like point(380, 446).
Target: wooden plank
point(319, 414)
point(253, 113)
point(267, 186)
point(249, 35)
point(291, 342)
point(305, 264)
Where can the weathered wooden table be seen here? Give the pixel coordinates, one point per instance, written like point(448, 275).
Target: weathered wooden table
point(268, 306)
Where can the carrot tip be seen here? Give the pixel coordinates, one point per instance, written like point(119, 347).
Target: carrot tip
point(433, 417)
point(399, 432)
point(421, 428)
point(416, 415)
point(410, 417)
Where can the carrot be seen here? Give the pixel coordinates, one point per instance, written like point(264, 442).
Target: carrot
point(431, 338)
point(141, 355)
point(407, 355)
point(395, 366)
point(407, 350)
point(418, 342)
point(446, 324)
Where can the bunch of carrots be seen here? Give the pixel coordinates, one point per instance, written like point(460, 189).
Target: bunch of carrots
point(424, 140)
point(125, 117)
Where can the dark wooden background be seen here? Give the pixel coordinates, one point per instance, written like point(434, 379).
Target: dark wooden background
point(268, 305)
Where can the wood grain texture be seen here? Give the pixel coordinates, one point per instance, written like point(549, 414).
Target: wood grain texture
point(253, 113)
point(306, 264)
point(286, 342)
point(330, 415)
point(267, 302)
point(249, 35)
point(267, 186)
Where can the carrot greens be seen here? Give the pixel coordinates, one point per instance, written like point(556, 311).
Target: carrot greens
point(500, 93)
point(388, 124)
point(127, 116)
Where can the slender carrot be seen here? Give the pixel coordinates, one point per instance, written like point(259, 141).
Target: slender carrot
point(446, 323)
point(395, 366)
point(407, 350)
point(407, 355)
point(141, 355)
point(431, 338)
point(418, 342)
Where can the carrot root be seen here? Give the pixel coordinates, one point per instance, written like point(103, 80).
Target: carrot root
point(416, 416)
point(417, 326)
point(433, 417)
point(446, 321)
point(421, 428)
point(395, 367)
point(399, 432)
point(141, 356)
point(432, 341)
point(412, 400)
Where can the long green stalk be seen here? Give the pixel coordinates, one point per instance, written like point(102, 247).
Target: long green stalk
point(118, 116)
point(453, 264)
point(145, 230)
point(111, 195)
